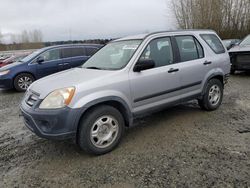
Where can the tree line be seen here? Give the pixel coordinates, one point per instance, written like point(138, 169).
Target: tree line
point(37, 45)
point(34, 40)
point(229, 18)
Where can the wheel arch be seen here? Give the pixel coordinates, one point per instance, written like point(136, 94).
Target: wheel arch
point(218, 76)
point(115, 102)
point(25, 72)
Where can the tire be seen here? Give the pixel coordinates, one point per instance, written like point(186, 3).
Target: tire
point(213, 96)
point(100, 130)
point(23, 81)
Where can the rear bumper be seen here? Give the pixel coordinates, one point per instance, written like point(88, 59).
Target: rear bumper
point(59, 124)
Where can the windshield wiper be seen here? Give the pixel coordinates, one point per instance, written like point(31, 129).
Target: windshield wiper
point(97, 68)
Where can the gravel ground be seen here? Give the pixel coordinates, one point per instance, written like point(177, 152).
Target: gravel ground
point(179, 147)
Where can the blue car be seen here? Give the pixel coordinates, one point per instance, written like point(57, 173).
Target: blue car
point(20, 75)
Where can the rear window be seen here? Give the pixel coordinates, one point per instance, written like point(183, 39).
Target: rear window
point(73, 52)
point(214, 43)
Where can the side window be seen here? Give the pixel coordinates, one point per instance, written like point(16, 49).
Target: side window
point(91, 51)
point(200, 49)
point(159, 50)
point(189, 48)
point(73, 52)
point(214, 43)
point(51, 55)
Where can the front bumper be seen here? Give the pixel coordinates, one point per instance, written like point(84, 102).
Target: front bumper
point(240, 60)
point(6, 83)
point(56, 124)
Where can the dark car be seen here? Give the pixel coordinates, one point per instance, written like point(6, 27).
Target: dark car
point(229, 43)
point(20, 75)
point(12, 59)
point(240, 56)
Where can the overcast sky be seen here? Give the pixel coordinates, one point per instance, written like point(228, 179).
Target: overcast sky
point(85, 19)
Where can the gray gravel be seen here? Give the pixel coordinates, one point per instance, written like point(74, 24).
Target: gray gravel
point(179, 147)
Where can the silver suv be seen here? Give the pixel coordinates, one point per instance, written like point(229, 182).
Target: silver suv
point(126, 78)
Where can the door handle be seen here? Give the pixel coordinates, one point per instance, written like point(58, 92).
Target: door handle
point(207, 63)
point(60, 64)
point(65, 63)
point(173, 70)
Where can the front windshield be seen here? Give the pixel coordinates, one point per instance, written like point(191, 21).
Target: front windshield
point(31, 56)
point(246, 41)
point(113, 56)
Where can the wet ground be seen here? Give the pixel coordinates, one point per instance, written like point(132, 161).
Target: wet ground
point(179, 147)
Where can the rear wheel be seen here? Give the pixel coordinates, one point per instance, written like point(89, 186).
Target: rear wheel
point(101, 130)
point(23, 81)
point(212, 98)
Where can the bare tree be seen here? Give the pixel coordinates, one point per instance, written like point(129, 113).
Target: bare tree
point(36, 36)
point(24, 38)
point(14, 38)
point(230, 18)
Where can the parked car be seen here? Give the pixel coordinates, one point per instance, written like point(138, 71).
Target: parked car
point(12, 59)
point(3, 57)
point(240, 56)
point(229, 43)
point(43, 62)
point(95, 102)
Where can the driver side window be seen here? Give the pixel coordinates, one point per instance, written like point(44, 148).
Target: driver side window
point(51, 55)
point(160, 51)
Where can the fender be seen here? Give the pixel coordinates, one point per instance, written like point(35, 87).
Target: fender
point(219, 73)
point(128, 114)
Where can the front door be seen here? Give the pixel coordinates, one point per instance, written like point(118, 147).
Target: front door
point(159, 85)
point(52, 63)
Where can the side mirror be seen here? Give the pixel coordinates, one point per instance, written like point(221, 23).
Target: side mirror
point(39, 60)
point(144, 64)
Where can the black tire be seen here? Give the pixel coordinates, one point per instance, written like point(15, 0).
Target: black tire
point(205, 103)
point(25, 76)
point(85, 140)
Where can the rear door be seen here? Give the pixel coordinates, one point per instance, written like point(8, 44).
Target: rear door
point(73, 57)
point(51, 64)
point(193, 65)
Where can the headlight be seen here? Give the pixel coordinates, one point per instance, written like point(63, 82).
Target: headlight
point(4, 72)
point(58, 98)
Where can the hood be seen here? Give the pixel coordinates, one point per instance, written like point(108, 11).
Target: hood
point(240, 49)
point(73, 77)
point(9, 66)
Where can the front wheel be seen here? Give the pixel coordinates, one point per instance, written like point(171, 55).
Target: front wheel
point(100, 130)
point(23, 81)
point(212, 98)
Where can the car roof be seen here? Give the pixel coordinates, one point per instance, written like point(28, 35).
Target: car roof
point(72, 45)
point(187, 31)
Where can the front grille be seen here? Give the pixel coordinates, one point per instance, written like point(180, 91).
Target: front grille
point(31, 99)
